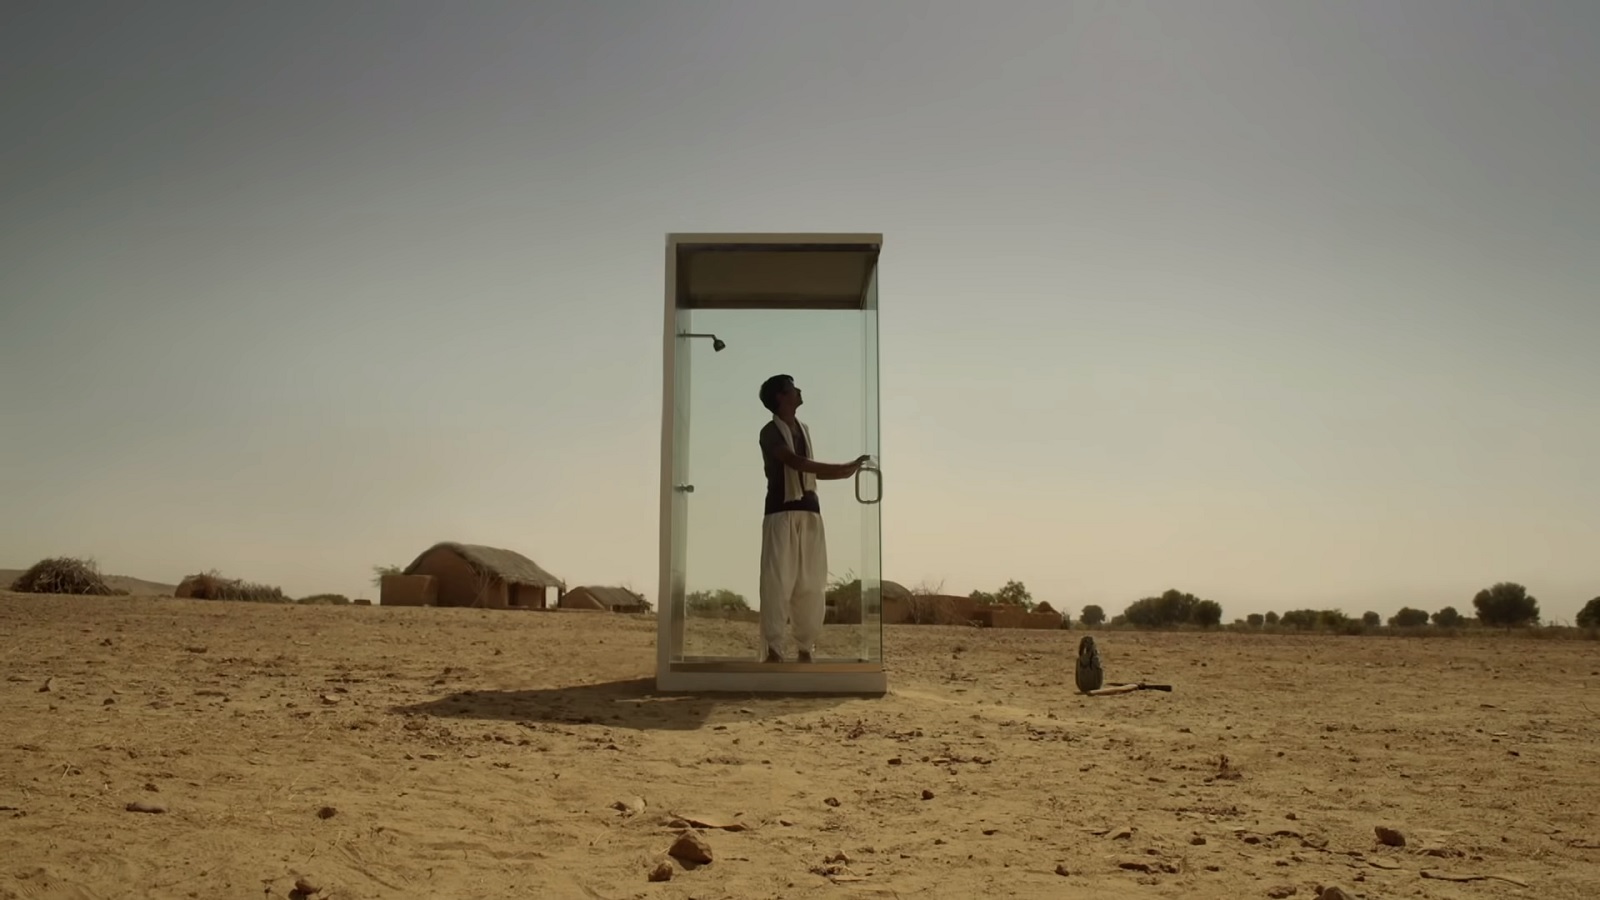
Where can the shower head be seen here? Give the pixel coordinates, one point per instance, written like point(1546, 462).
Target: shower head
point(717, 343)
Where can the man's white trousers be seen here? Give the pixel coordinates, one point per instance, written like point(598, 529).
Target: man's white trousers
point(794, 578)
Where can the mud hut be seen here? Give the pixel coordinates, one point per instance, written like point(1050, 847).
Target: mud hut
point(843, 601)
point(608, 599)
point(490, 577)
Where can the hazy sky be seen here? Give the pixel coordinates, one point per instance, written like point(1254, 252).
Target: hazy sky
point(1284, 304)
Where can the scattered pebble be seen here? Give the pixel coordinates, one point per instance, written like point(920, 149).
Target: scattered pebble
point(1389, 837)
point(629, 806)
point(1061, 869)
point(139, 806)
point(832, 801)
point(1281, 891)
point(927, 794)
point(662, 871)
point(327, 812)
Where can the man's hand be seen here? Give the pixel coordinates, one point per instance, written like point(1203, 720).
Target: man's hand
point(849, 469)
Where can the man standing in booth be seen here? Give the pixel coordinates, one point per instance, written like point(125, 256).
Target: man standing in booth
point(794, 549)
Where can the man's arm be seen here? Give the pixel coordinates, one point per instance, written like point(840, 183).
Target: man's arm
point(772, 441)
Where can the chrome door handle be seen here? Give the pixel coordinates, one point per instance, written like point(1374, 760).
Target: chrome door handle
point(877, 476)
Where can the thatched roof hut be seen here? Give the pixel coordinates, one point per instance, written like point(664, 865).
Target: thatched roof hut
point(477, 575)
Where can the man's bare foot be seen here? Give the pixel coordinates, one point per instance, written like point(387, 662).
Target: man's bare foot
point(805, 656)
point(773, 656)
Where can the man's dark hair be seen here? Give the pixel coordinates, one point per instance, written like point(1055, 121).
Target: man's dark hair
point(771, 388)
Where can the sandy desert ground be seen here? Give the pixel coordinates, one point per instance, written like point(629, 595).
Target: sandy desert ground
point(459, 753)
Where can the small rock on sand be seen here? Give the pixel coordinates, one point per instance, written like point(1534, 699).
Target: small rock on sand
point(1334, 893)
point(1389, 837)
point(691, 848)
point(1282, 890)
point(661, 871)
point(140, 806)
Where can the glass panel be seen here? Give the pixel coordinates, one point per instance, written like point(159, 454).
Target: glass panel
point(869, 490)
point(682, 368)
point(823, 351)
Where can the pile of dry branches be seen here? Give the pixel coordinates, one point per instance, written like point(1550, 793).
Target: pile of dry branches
point(64, 575)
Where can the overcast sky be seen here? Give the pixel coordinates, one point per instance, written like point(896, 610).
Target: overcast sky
point(1283, 304)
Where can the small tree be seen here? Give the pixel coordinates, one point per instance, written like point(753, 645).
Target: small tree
point(1408, 618)
point(1371, 619)
point(379, 571)
point(1449, 618)
point(1272, 618)
point(1255, 620)
point(1589, 616)
point(1013, 593)
point(1507, 604)
point(1093, 616)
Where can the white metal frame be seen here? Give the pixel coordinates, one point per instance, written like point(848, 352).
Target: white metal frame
point(754, 677)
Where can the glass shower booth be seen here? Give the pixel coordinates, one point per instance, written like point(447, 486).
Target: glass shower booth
point(741, 308)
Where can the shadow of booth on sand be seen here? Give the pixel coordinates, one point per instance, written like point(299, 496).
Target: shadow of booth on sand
point(631, 703)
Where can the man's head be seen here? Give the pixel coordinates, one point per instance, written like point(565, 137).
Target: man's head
point(780, 396)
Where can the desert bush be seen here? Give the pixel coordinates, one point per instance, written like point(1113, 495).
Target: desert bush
point(1371, 619)
point(64, 575)
point(1300, 619)
point(1255, 620)
point(1272, 618)
point(1173, 607)
point(210, 585)
point(1092, 616)
point(1449, 618)
point(721, 603)
point(1589, 616)
point(1408, 617)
